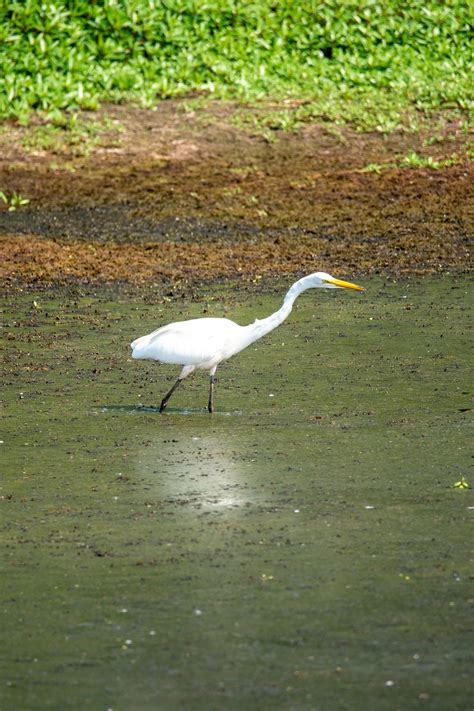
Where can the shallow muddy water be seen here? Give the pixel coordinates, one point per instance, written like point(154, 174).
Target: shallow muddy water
point(304, 547)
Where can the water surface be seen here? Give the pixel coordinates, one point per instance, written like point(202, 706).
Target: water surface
point(304, 547)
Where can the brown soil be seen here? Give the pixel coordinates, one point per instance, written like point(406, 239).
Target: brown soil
point(187, 195)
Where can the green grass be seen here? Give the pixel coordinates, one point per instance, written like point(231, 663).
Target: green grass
point(369, 62)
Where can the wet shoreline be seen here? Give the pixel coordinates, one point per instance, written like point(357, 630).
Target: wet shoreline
point(186, 198)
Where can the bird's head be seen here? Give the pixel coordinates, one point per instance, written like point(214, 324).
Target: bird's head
point(326, 281)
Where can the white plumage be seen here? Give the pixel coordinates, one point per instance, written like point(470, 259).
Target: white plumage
point(195, 342)
point(203, 343)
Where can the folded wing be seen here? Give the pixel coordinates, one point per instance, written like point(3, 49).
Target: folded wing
point(193, 342)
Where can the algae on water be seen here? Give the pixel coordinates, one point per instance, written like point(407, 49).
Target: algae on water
point(304, 546)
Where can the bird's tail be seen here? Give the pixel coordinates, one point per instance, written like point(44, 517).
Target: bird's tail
point(139, 346)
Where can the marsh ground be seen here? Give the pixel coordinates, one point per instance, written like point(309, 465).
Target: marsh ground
point(187, 193)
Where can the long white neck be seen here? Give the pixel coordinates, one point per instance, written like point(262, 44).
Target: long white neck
point(260, 328)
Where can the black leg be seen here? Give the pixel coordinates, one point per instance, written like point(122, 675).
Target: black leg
point(164, 402)
point(210, 404)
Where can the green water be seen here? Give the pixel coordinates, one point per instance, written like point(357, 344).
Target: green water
point(302, 548)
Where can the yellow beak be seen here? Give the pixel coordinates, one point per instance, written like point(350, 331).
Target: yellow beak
point(344, 284)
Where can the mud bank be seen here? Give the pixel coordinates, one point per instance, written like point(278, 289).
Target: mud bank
point(185, 195)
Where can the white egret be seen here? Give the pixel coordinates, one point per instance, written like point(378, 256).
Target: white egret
point(204, 343)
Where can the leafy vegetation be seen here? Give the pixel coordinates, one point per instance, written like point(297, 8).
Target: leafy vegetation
point(414, 160)
point(365, 61)
point(14, 201)
point(71, 135)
